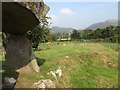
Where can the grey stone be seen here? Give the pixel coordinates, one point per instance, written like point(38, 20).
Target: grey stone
point(49, 83)
point(45, 83)
point(19, 55)
point(9, 82)
point(17, 19)
point(40, 9)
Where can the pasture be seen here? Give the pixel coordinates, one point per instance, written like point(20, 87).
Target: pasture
point(83, 65)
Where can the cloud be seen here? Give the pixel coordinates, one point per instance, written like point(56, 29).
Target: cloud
point(66, 11)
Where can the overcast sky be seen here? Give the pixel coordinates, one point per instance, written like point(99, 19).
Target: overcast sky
point(80, 15)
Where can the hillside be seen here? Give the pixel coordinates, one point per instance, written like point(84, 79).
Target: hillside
point(104, 24)
point(61, 30)
point(94, 26)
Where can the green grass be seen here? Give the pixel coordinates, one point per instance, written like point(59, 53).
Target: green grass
point(87, 65)
point(114, 46)
point(90, 65)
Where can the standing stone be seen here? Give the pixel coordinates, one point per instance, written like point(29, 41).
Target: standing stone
point(19, 55)
point(18, 19)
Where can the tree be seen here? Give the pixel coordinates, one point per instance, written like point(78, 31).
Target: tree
point(86, 33)
point(39, 34)
point(97, 33)
point(110, 33)
point(75, 35)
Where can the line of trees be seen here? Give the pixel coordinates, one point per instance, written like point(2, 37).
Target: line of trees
point(108, 34)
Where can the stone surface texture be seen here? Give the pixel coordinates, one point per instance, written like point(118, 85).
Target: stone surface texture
point(19, 54)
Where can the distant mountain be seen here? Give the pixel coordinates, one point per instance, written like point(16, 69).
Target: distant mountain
point(61, 29)
point(105, 24)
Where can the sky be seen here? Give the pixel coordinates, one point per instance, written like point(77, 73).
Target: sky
point(80, 15)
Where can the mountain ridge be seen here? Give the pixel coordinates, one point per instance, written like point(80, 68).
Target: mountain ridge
point(101, 25)
point(57, 29)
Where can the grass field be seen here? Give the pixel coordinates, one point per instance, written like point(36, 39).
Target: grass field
point(114, 46)
point(84, 65)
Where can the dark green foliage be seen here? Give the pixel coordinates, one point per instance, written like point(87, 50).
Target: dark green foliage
point(109, 34)
point(39, 34)
point(86, 34)
point(75, 35)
